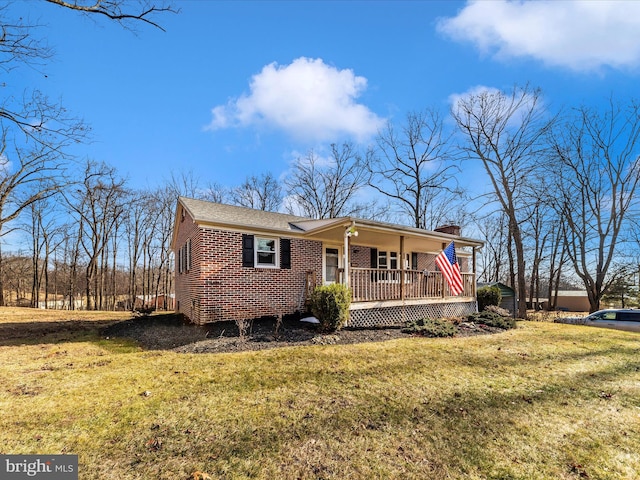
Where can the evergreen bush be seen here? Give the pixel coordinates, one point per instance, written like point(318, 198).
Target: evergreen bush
point(492, 319)
point(431, 327)
point(330, 305)
point(488, 296)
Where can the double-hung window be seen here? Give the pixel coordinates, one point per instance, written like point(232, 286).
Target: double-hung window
point(382, 259)
point(388, 261)
point(393, 260)
point(266, 252)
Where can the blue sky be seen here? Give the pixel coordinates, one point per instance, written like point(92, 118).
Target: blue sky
point(236, 88)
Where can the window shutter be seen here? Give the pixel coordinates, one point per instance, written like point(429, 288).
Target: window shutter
point(285, 253)
point(374, 258)
point(247, 250)
point(188, 254)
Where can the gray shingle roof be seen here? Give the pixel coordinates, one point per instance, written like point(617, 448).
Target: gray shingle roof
point(220, 213)
point(242, 218)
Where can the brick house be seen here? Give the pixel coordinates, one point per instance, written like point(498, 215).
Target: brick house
point(235, 263)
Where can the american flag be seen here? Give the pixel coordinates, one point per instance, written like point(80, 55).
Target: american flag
point(448, 264)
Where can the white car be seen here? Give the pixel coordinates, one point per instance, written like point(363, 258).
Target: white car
point(619, 319)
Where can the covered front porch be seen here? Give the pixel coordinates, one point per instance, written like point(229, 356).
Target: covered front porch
point(382, 299)
point(391, 270)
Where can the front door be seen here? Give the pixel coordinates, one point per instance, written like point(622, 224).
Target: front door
point(331, 265)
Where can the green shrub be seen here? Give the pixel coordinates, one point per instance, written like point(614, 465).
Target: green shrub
point(492, 319)
point(431, 327)
point(488, 296)
point(330, 305)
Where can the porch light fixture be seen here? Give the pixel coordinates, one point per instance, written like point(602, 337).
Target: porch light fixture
point(351, 231)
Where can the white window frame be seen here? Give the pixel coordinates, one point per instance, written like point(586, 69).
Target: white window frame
point(383, 259)
point(393, 259)
point(324, 262)
point(276, 252)
point(389, 258)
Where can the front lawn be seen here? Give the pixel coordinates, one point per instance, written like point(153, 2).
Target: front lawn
point(543, 401)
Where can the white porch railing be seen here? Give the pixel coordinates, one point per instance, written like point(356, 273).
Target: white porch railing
point(373, 284)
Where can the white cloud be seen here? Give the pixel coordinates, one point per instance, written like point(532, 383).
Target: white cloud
point(576, 34)
point(308, 99)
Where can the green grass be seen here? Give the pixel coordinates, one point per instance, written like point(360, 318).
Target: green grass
point(543, 401)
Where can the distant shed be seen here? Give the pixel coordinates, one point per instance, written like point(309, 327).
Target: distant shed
point(509, 301)
point(570, 300)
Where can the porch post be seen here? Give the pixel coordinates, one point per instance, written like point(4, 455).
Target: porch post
point(348, 233)
point(475, 275)
point(442, 282)
point(345, 280)
point(402, 267)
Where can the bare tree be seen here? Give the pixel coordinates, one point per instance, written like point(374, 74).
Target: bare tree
point(214, 192)
point(164, 200)
point(262, 193)
point(413, 168)
point(137, 219)
point(505, 132)
point(596, 162)
point(556, 262)
point(98, 204)
point(30, 122)
point(327, 187)
point(184, 183)
point(45, 230)
point(126, 12)
point(537, 235)
point(492, 258)
point(35, 132)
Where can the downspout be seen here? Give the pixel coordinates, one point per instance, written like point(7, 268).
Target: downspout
point(402, 267)
point(475, 277)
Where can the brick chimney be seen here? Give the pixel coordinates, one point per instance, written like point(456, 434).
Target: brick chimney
point(450, 229)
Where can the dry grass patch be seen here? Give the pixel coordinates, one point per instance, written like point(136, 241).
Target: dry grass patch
point(544, 401)
point(32, 326)
point(11, 315)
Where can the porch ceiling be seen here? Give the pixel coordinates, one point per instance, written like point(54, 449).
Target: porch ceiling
point(383, 238)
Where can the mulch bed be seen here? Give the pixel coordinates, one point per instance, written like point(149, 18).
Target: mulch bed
point(171, 332)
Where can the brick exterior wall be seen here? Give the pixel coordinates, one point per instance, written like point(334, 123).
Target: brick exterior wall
point(187, 284)
point(219, 288)
point(361, 258)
